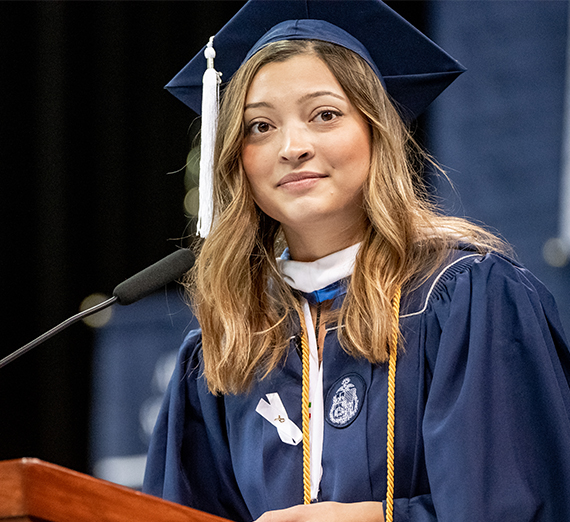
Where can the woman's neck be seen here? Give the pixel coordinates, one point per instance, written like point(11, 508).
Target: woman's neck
point(313, 243)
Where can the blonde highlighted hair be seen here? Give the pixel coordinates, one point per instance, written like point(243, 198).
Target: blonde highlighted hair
point(246, 311)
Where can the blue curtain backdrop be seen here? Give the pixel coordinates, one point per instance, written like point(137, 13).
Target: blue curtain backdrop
point(134, 355)
point(498, 130)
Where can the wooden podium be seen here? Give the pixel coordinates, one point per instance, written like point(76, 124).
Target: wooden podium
point(35, 491)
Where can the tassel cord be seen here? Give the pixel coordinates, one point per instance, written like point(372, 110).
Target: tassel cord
point(210, 99)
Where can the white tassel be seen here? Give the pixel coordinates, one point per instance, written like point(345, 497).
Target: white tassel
point(210, 94)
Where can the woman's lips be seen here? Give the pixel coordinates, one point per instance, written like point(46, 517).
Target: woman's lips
point(299, 178)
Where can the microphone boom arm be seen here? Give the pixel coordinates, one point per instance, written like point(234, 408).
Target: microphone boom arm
point(56, 329)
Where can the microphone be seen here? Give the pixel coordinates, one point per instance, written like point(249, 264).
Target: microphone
point(140, 285)
point(154, 277)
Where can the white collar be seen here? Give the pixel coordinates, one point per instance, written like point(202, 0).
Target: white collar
point(314, 275)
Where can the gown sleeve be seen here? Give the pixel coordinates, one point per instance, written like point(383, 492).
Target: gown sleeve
point(496, 425)
point(188, 460)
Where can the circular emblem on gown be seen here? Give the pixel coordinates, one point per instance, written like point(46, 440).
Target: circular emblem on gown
point(344, 400)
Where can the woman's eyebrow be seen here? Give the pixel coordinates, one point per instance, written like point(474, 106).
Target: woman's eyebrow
point(302, 99)
point(318, 94)
point(256, 105)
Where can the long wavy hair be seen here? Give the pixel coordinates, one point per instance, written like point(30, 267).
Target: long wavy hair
point(246, 311)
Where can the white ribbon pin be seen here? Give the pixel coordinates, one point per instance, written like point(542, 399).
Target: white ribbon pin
point(275, 413)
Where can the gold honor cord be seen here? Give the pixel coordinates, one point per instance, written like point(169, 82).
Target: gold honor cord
point(391, 411)
point(305, 414)
point(392, 408)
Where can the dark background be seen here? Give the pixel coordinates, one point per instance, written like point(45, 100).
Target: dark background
point(92, 151)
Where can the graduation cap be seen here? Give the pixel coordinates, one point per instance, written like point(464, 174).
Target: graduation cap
point(413, 69)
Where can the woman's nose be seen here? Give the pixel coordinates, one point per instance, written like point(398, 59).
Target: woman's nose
point(296, 145)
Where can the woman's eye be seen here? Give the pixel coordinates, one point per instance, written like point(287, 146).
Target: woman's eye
point(327, 115)
point(259, 127)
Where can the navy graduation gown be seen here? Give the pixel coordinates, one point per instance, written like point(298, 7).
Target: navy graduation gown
point(482, 414)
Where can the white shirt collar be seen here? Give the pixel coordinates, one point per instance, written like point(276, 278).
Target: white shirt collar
point(311, 276)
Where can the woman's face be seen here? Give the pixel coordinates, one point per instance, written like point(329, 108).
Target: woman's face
point(306, 151)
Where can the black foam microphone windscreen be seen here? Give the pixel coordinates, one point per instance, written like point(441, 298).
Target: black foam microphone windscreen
point(154, 277)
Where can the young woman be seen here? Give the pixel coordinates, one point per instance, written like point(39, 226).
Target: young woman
point(331, 293)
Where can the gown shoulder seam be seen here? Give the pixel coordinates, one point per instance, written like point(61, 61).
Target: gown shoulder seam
point(435, 282)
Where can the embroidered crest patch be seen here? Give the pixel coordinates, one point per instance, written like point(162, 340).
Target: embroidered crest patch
point(344, 400)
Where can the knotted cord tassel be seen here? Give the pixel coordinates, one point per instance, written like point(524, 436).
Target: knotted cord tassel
point(210, 95)
point(390, 452)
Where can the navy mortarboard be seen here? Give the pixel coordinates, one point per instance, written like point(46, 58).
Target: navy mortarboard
point(413, 68)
